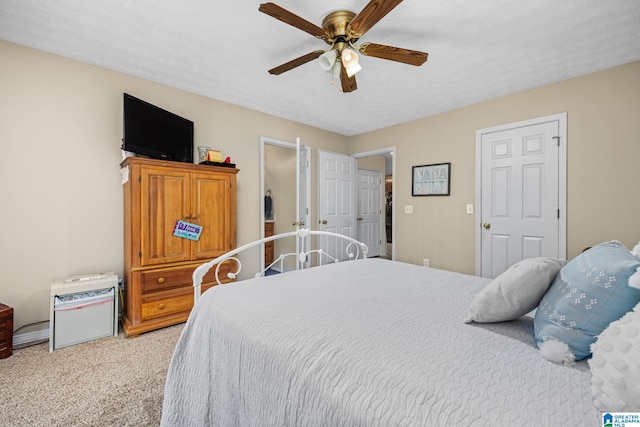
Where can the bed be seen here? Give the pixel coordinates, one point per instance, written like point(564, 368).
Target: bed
point(367, 342)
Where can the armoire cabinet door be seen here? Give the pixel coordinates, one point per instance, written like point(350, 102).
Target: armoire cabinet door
point(166, 198)
point(212, 200)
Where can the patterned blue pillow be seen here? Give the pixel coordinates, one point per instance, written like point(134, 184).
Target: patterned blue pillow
point(589, 293)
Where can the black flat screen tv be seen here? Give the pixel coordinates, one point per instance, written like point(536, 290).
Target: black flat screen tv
point(153, 132)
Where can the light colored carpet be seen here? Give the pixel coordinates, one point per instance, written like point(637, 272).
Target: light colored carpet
point(113, 381)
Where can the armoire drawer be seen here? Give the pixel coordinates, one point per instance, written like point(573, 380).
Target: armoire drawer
point(175, 277)
point(164, 307)
point(166, 278)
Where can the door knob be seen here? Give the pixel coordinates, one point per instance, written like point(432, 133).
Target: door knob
point(486, 225)
point(360, 219)
point(323, 222)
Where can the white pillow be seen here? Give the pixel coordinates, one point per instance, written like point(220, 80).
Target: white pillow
point(515, 292)
point(615, 365)
point(634, 281)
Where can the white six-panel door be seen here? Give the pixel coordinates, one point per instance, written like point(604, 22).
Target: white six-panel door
point(520, 202)
point(336, 204)
point(369, 210)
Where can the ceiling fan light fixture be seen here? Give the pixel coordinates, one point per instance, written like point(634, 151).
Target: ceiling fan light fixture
point(335, 71)
point(353, 70)
point(350, 61)
point(349, 57)
point(328, 59)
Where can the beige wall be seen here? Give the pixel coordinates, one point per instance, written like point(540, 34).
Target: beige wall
point(372, 163)
point(603, 114)
point(60, 132)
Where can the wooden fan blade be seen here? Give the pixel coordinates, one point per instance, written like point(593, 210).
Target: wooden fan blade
point(296, 62)
point(373, 12)
point(287, 17)
point(348, 83)
point(398, 54)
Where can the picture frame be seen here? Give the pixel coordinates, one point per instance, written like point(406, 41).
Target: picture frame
point(431, 180)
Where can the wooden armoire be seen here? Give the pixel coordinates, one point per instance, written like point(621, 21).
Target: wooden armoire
point(158, 265)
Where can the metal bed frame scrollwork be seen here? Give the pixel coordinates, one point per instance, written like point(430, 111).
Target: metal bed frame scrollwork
point(353, 251)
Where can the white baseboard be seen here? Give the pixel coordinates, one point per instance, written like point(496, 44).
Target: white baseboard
point(29, 337)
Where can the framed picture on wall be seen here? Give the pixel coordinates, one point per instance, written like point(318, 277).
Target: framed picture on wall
point(431, 180)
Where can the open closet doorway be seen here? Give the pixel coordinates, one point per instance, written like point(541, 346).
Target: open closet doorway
point(380, 165)
point(285, 196)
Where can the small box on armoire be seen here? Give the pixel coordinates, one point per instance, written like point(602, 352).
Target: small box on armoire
point(6, 331)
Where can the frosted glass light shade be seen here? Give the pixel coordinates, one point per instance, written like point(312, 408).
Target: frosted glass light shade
point(327, 59)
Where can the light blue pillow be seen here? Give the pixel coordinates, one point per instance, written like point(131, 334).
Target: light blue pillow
point(589, 293)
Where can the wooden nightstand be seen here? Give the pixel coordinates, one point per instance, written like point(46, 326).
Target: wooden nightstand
point(269, 246)
point(6, 331)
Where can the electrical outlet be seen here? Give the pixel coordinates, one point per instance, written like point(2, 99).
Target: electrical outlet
point(425, 262)
point(408, 209)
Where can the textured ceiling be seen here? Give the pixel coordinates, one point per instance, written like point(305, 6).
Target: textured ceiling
point(478, 50)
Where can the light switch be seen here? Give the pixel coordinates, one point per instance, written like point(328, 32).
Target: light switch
point(470, 209)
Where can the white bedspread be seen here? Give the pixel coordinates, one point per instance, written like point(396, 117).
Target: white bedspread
point(364, 343)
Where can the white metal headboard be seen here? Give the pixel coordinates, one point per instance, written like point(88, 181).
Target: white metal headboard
point(354, 250)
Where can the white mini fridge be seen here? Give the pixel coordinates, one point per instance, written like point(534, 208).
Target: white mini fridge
point(83, 308)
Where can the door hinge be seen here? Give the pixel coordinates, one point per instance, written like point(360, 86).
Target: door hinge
point(557, 138)
point(139, 179)
point(139, 254)
point(558, 213)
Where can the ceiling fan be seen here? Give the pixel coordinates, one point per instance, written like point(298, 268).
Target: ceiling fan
point(342, 29)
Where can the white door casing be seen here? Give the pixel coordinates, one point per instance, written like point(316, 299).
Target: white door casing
point(521, 193)
point(369, 204)
point(336, 200)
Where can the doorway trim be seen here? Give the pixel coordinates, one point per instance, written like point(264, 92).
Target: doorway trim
point(382, 152)
point(561, 118)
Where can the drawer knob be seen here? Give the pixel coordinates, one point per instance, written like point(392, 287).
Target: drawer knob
point(161, 280)
point(161, 306)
